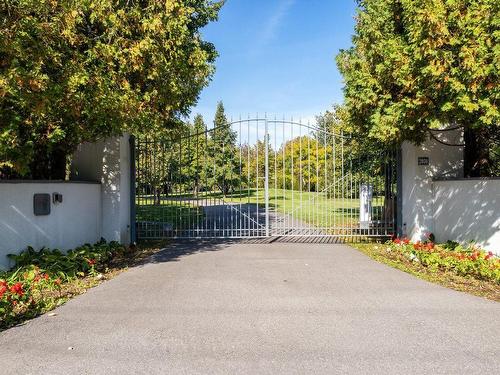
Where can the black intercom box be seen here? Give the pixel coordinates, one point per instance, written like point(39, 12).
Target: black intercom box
point(41, 204)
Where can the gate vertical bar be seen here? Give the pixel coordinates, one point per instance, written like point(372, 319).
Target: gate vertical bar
point(399, 192)
point(266, 168)
point(133, 233)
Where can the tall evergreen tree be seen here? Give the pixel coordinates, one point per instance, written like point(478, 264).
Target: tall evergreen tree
point(420, 65)
point(77, 71)
point(200, 161)
point(224, 153)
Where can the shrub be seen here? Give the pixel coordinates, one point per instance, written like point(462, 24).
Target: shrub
point(34, 283)
point(463, 260)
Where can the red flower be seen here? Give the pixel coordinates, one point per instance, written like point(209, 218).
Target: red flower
point(417, 245)
point(91, 262)
point(17, 288)
point(430, 245)
point(3, 288)
point(57, 281)
point(45, 276)
point(406, 241)
point(397, 241)
point(490, 254)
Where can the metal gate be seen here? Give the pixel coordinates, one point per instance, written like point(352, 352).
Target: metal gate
point(261, 178)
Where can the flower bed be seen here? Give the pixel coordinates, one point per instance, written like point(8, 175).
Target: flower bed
point(40, 280)
point(469, 260)
point(464, 268)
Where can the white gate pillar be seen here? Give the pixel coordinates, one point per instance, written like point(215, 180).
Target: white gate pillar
point(108, 162)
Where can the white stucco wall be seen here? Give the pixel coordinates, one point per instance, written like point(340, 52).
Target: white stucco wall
point(417, 193)
point(466, 210)
point(75, 221)
point(108, 162)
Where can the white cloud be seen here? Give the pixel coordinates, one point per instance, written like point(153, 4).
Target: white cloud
point(271, 26)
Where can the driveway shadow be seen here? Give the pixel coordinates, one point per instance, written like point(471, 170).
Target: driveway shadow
point(181, 248)
point(184, 247)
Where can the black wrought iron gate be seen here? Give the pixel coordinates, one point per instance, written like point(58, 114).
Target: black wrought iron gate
point(259, 178)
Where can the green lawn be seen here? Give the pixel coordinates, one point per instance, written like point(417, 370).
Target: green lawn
point(310, 207)
point(180, 216)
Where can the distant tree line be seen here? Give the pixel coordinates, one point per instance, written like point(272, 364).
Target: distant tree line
point(196, 160)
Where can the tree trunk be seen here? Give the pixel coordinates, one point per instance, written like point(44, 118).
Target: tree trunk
point(157, 196)
point(49, 165)
point(40, 166)
point(476, 153)
point(196, 188)
point(58, 164)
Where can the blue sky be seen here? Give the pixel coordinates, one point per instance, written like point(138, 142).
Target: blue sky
point(277, 56)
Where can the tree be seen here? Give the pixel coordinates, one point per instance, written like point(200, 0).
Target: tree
point(224, 153)
point(254, 166)
point(158, 166)
point(82, 70)
point(331, 123)
point(198, 162)
point(419, 65)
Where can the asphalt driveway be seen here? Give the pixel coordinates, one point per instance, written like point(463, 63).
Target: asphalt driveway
point(239, 308)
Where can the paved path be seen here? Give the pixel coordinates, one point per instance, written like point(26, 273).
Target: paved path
point(261, 309)
point(249, 219)
point(230, 219)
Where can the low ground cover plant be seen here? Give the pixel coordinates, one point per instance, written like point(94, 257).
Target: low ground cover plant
point(466, 268)
point(469, 260)
point(41, 280)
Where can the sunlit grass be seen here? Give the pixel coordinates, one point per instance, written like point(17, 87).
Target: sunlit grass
point(178, 215)
point(310, 207)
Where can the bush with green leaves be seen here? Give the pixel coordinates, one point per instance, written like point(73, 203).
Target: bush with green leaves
point(469, 261)
point(34, 284)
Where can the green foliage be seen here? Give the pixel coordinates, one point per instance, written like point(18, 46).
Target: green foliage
point(82, 70)
point(421, 64)
point(223, 153)
point(179, 216)
point(461, 260)
point(254, 167)
point(70, 264)
point(365, 157)
point(197, 162)
point(34, 283)
point(197, 153)
point(305, 161)
point(332, 123)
